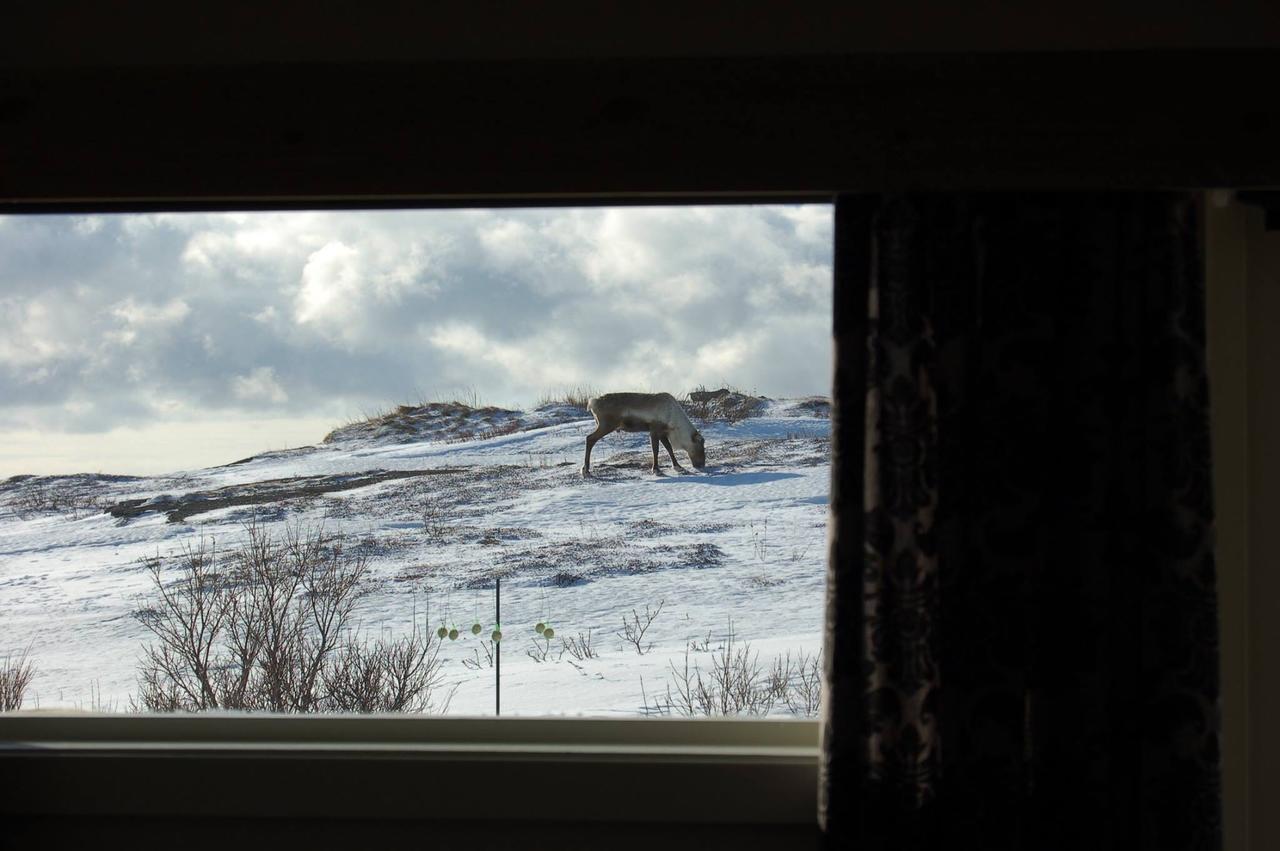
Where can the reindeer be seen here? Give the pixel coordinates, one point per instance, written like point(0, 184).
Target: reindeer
point(657, 413)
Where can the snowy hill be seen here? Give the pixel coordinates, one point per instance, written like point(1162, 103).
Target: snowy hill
point(442, 501)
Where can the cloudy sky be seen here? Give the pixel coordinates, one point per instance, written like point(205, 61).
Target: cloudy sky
point(153, 343)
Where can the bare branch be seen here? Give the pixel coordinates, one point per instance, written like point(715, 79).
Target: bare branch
point(580, 647)
point(633, 629)
point(265, 633)
point(15, 677)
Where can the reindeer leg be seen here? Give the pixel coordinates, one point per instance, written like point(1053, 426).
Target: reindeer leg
point(592, 438)
point(653, 442)
point(667, 443)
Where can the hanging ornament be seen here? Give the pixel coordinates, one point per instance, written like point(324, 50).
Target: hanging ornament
point(476, 629)
point(539, 628)
point(442, 631)
point(497, 635)
point(548, 633)
point(453, 634)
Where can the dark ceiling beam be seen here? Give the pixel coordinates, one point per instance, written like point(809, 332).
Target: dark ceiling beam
point(554, 131)
point(90, 33)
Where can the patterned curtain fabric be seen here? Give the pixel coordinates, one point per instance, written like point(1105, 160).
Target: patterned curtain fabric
point(1022, 622)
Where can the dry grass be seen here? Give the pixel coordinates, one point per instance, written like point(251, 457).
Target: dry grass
point(407, 419)
point(764, 580)
point(511, 426)
point(576, 397)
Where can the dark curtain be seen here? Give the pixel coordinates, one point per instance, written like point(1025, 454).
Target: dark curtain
point(1022, 622)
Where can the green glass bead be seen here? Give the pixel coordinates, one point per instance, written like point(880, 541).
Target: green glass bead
point(548, 633)
point(497, 635)
point(539, 628)
point(453, 634)
point(476, 628)
point(442, 631)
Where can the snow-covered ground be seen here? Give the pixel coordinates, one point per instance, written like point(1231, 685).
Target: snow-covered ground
point(741, 540)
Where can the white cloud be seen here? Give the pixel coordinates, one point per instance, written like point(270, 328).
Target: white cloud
point(511, 244)
point(344, 290)
point(722, 357)
point(88, 225)
point(531, 362)
point(32, 332)
point(136, 313)
point(330, 282)
point(813, 224)
point(136, 318)
point(260, 385)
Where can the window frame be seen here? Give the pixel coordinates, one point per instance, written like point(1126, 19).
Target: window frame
point(560, 769)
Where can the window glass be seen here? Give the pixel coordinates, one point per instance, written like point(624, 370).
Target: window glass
point(334, 460)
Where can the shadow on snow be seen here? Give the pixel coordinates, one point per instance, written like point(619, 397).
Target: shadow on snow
point(727, 479)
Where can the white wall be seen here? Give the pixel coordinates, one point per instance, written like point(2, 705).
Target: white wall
point(1243, 269)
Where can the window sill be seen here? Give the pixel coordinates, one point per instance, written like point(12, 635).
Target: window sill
point(585, 769)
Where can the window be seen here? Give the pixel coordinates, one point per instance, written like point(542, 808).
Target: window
point(273, 550)
point(406, 390)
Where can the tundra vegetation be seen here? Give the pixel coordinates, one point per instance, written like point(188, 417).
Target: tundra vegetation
point(275, 621)
point(736, 683)
point(269, 627)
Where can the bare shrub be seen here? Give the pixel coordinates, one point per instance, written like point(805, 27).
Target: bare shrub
point(398, 675)
point(760, 540)
point(804, 695)
point(580, 647)
point(262, 629)
point(433, 519)
point(634, 628)
point(540, 651)
point(97, 703)
point(796, 683)
point(16, 674)
point(703, 646)
point(475, 663)
point(738, 684)
point(778, 678)
point(40, 498)
point(658, 706)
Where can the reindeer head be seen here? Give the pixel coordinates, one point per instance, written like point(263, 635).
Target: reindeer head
point(697, 450)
